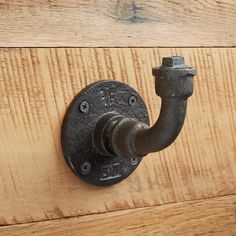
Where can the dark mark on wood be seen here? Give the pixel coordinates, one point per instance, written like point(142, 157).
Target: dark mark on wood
point(129, 11)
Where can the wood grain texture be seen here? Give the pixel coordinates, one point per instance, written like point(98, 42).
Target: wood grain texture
point(113, 23)
point(36, 87)
point(211, 217)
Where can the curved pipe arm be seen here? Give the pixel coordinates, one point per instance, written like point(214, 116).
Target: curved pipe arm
point(165, 130)
point(174, 84)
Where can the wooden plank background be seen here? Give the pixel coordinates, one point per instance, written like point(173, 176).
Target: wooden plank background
point(117, 23)
point(188, 218)
point(37, 85)
point(187, 189)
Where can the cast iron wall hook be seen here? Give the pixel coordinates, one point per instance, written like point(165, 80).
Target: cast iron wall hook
point(106, 131)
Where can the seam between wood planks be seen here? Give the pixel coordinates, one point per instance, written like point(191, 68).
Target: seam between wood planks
point(113, 211)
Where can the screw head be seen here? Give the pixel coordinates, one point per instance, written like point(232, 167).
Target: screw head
point(134, 161)
point(84, 107)
point(85, 168)
point(132, 100)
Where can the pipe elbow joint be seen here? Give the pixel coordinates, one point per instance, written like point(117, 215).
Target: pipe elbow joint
point(131, 138)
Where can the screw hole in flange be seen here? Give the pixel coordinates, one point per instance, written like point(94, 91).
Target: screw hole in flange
point(134, 161)
point(132, 100)
point(85, 168)
point(84, 107)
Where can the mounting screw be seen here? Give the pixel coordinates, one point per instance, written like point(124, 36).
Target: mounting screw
point(85, 168)
point(84, 107)
point(134, 161)
point(132, 100)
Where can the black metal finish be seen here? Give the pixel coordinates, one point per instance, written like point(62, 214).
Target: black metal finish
point(106, 129)
point(85, 127)
point(174, 84)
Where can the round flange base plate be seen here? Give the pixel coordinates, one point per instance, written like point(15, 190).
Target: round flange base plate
point(81, 117)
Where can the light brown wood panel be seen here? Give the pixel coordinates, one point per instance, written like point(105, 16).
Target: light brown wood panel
point(100, 23)
point(36, 87)
point(211, 217)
